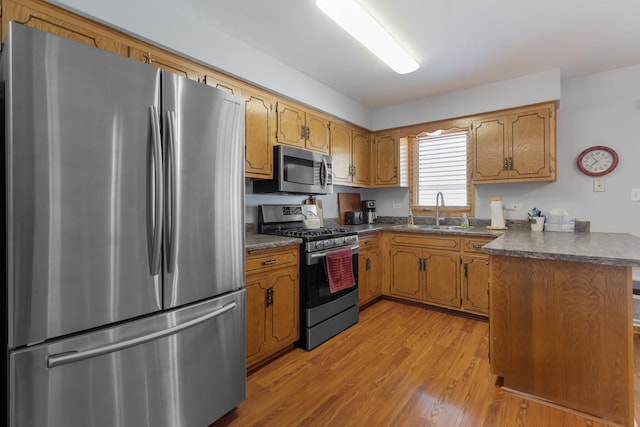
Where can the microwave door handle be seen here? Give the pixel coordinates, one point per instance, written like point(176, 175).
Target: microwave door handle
point(323, 173)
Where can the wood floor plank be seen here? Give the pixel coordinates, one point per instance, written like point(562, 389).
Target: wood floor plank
point(401, 365)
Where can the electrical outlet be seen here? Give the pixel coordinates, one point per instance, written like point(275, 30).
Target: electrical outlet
point(516, 206)
point(397, 206)
point(635, 194)
point(598, 185)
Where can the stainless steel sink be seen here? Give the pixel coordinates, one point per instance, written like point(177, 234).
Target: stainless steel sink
point(446, 227)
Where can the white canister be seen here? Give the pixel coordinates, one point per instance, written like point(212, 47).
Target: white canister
point(497, 213)
point(537, 223)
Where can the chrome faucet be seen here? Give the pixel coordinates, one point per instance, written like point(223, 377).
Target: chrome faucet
point(439, 197)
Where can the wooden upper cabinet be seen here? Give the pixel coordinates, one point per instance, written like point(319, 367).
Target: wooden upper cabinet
point(341, 144)
point(317, 133)
point(259, 120)
point(385, 155)
point(259, 133)
point(361, 159)
point(168, 62)
point(291, 125)
point(55, 20)
point(515, 146)
point(350, 153)
point(301, 128)
point(224, 83)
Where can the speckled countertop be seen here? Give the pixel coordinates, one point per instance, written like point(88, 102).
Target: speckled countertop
point(597, 248)
point(254, 241)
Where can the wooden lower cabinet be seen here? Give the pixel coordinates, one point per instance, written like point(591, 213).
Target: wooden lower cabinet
point(272, 302)
point(562, 331)
point(447, 271)
point(474, 278)
point(369, 268)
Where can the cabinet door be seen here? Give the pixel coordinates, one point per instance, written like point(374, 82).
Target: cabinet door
point(363, 277)
point(475, 283)
point(291, 124)
point(406, 272)
point(385, 156)
point(259, 134)
point(441, 287)
point(375, 273)
point(529, 139)
point(284, 328)
point(61, 23)
point(317, 134)
point(489, 139)
point(341, 153)
point(167, 62)
point(256, 319)
point(223, 83)
point(361, 159)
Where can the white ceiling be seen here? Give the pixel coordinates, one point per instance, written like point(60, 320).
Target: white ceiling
point(458, 43)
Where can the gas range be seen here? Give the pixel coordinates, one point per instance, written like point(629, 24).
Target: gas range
point(326, 307)
point(287, 220)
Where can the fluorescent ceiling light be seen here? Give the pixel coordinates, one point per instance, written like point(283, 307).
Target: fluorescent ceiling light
point(357, 22)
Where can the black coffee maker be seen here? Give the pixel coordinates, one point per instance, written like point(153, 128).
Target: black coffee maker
point(369, 211)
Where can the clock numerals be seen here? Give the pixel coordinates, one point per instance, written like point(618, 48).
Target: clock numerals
point(597, 161)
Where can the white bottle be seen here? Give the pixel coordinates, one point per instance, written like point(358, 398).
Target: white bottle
point(410, 219)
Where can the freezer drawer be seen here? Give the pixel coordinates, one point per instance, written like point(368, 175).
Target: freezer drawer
point(181, 368)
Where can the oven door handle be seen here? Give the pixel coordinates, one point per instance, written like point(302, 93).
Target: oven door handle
point(313, 257)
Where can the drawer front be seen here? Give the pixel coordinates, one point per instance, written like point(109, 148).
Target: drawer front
point(474, 244)
point(368, 239)
point(262, 260)
point(435, 242)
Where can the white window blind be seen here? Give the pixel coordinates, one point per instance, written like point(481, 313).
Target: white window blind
point(441, 165)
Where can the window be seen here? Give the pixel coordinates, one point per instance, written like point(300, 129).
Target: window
point(438, 163)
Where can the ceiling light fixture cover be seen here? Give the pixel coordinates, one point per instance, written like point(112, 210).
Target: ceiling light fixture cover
point(357, 22)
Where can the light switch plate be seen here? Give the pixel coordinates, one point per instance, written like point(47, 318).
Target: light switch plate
point(635, 194)
point(598, 184)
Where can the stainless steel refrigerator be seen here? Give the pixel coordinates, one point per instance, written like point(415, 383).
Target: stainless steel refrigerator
point(123, 300)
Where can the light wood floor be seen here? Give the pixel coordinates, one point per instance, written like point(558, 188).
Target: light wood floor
point(401, 365)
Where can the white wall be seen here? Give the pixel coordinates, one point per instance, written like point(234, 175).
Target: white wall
point(156, 22)
point(531, 89)
point(599, 109)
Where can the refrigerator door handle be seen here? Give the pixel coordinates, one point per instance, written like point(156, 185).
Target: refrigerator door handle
point(172, 214)
point(77, 356)
point(155, 203)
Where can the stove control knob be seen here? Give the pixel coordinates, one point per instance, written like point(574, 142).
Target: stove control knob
point(328, 243)
point(340, 241)
point(319, 244)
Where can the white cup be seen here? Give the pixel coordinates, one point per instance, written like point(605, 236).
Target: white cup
point(537, 223)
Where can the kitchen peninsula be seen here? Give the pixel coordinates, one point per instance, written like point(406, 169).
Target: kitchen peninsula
point(561, 318)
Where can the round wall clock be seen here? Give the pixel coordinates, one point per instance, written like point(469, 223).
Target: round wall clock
point(597, 160)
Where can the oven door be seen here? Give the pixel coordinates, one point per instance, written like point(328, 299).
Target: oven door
point(314, 284)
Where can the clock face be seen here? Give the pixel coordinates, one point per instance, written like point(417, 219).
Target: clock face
point(597, 161)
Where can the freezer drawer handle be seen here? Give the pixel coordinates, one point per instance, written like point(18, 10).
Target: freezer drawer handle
point(71, 357)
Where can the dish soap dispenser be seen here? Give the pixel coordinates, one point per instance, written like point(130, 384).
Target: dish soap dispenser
point(465, 221)
point(410, 219)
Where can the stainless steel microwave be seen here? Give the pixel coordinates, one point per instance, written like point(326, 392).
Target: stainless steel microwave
point(298, 171)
